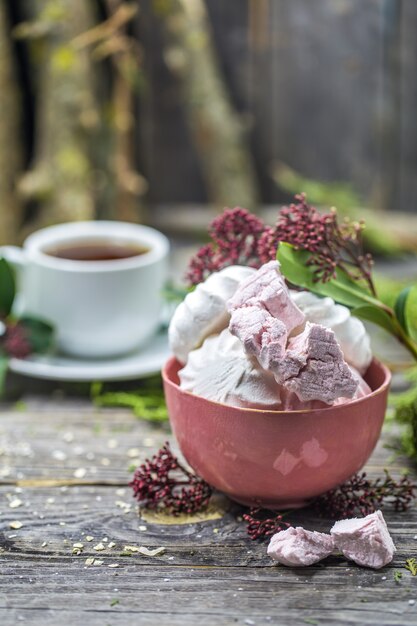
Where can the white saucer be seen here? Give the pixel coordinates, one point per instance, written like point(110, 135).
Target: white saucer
point(143, 362)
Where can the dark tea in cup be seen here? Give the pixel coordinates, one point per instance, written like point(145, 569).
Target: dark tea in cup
point(98, 250)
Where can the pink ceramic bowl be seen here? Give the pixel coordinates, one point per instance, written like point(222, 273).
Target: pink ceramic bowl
point(276, 459)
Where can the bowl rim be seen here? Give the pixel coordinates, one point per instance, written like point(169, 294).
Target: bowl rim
point(385, 384)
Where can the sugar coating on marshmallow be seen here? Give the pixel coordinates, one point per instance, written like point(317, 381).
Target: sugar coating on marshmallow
point(349, 330)
point(222, 371)
point(298, 547)
point(275, 343)
point(366, 541)
point(203, 311)
point(263, 336)
point(362, 390)
point(266, 289)
point(311, 365)
point(305, 358)
point(314, 367)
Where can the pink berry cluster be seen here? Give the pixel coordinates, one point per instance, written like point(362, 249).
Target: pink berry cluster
point(362, 496)
point(163, 483)
point(332, 245)
point(358, 496)
point(241, 238)
point(15, 342)
point(235, 236)
point(259, 525)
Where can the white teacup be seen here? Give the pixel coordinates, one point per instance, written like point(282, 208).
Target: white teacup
point(99, 308)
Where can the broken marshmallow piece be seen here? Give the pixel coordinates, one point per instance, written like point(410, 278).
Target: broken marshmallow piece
point(311, 365)
point(266, 289)
point(349, 330)
point(262, 336)
point(222, 372)
point(362, 390)
point(314, 367)
point(266, 320)
point(366, 541)
point(297, 547)
point(203, 311)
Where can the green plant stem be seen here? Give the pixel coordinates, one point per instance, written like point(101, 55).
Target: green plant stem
point(399, 333)
point(407, 341)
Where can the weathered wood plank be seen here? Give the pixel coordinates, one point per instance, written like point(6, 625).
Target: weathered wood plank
point(364, 617)
point(63, 516)
point(226, 593)
point(210, 571)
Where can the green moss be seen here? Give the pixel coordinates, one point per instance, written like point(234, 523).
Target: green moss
point(53, 11)
point(405, 412)
point(147, 402)
point(72, 162)
point(64, 60)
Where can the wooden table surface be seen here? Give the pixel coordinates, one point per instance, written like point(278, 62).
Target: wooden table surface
point(64, 468)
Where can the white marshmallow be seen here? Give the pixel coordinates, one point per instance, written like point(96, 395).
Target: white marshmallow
point(221, 371)
point(203, 311)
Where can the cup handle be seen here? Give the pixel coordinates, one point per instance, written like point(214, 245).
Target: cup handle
point(15, 256)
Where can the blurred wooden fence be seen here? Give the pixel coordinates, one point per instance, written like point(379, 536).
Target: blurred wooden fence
point(326, 86)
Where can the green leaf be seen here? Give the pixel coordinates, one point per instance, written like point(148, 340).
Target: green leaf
point(40, 334)
point(7, 288)
point(4, 364)
point(376, 315)
point(400, 307)
point(342, 289)
point(411, 313)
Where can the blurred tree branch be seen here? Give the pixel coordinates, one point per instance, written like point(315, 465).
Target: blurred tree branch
point(61, 177)
point(219, 134)
point(84, 162)
point(11, 152)
point(110, 39)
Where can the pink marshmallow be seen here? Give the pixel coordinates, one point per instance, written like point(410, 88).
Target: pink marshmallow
point(362, 390)
point(267, 289)
point(262, 335)
point(314, 367)
point(309, 364)
point(297, 547)
point(365, 541)
point(291, 402)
